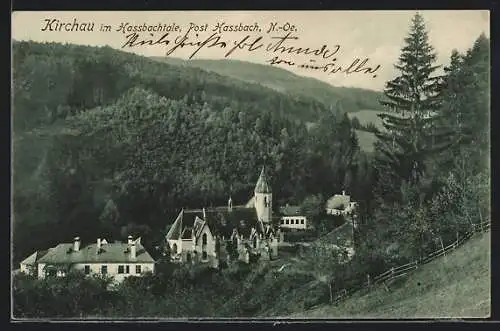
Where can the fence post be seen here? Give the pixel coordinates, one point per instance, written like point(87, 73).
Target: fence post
point(442, 247)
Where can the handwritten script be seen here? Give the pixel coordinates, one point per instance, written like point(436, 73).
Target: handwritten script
point(279, 42)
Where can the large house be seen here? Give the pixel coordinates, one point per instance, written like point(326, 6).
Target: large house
point(212, 236)
point(118, 260)
point(340, 204)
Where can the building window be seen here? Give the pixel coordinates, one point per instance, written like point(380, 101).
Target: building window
point(127, 269)
point(204, 239)
point(104, 269)
point(174, 248)
point(87, 269)
point(282, 221)
point(137, 269)
point(204, 255)
point(188, 257)
point(121, 269)
point(286, 221)
point(255, 242)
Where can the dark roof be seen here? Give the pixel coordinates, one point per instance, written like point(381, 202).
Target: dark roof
point(113, 252)
point(187, 233)
point(290, 210)
point(221, 221)
point(262, 185)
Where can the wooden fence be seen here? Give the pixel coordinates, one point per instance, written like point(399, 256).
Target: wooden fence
point(403, 270)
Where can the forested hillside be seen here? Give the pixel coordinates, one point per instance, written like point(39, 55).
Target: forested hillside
point(351, 99)
point(106, 142)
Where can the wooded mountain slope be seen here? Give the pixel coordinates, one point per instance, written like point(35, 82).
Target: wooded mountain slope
point(351, 99)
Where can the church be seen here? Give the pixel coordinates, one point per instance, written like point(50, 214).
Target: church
point(221, 235)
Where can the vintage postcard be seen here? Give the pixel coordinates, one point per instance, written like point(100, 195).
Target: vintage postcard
point(271, 165)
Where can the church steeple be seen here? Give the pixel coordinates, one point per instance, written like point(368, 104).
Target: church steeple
point(262, 185)
point(263, 198)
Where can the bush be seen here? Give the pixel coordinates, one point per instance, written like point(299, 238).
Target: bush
point(299, 236)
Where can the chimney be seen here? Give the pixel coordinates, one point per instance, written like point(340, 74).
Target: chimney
point(98, 245)
point(204, 214)
point(76, 244)
point(343, 192)
point(129, 240)
point(132, 251)
point(230, 204)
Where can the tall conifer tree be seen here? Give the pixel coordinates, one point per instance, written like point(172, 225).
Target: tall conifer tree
point(412, 131)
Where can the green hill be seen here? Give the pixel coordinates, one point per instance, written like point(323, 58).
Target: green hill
point(366, 140)
point(455, 286)
point(352, 99)
point(367, 116)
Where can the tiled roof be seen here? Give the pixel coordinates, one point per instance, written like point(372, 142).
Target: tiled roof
point(262, 185)
point(290, 210)
point(113, 252)
point(34, 257)
point(176, 228)
point(220, 220)
point(338, 201)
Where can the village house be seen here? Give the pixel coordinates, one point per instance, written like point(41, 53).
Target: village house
point(292, 218)
point(212, 236)
point(118, 260)
point(340, 205)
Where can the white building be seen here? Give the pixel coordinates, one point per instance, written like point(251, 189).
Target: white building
point(118, 260)
point(340, 205)
point(291, 218)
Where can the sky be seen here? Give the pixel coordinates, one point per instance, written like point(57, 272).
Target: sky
point(377, 36)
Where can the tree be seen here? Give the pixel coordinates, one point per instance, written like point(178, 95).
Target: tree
point(324, 260)
point(465, 101)
point(412, 133)
point(312, 206)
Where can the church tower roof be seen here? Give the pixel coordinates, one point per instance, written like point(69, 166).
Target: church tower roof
point(262, 183)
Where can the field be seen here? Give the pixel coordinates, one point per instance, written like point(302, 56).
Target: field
point(454, 286)
point(367, 116)
point(366, 140)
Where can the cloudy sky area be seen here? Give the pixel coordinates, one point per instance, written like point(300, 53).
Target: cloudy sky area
point(377, 35)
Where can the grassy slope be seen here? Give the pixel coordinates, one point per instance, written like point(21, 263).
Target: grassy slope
point(367, 116)
point(281, 80)
point(366, 140)
point(455, 286)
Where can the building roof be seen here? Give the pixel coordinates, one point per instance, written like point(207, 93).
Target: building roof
point(110, 253)
point(262, 185)
point(33, 258)
point(290, 210)
point(220, 220)
point(338, 201)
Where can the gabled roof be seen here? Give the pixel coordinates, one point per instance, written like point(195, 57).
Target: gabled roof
point(262, 185)
point(338, 201)
point(220, 221)
point(290, 210)
point(110, 253)
point(35, 257)
point(176, 229)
